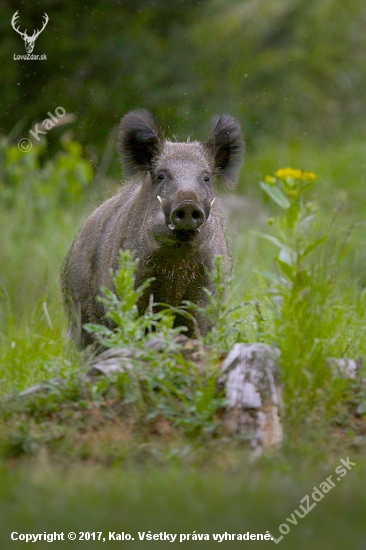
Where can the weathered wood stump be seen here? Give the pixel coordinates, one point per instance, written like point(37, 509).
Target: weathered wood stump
point(249, 377)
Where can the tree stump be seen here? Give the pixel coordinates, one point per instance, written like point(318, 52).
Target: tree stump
point(249, 378)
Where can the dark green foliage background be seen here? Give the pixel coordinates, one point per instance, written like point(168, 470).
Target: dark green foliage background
point(285, 68)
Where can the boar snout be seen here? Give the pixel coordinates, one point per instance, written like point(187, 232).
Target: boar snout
point(187, 216)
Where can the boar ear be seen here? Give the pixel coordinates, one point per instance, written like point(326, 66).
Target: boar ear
point(138, 141)
point(227, 146)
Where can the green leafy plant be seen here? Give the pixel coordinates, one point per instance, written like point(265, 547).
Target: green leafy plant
point(302, 290)
point(58, 181)
point(161, 382)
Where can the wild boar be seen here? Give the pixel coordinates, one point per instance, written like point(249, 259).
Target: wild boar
point(166, 214)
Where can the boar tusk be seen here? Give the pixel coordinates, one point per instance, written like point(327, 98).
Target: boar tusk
point(171, 226)
point(211, 203)
point(161, 202)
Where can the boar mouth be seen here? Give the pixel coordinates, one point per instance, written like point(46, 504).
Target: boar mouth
point(177, 238)
point(185, 236)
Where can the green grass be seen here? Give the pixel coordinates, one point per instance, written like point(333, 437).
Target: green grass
point(182, 502)
point(79, 459)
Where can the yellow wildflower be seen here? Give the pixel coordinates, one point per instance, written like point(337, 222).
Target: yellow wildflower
point(286, 173)
point(309, 176)
point(291, 173)
point(270, 180)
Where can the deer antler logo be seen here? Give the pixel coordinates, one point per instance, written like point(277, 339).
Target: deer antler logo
point(28, 40)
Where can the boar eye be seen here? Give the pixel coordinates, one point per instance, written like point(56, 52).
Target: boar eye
point(206, 179)
point(160, 177)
